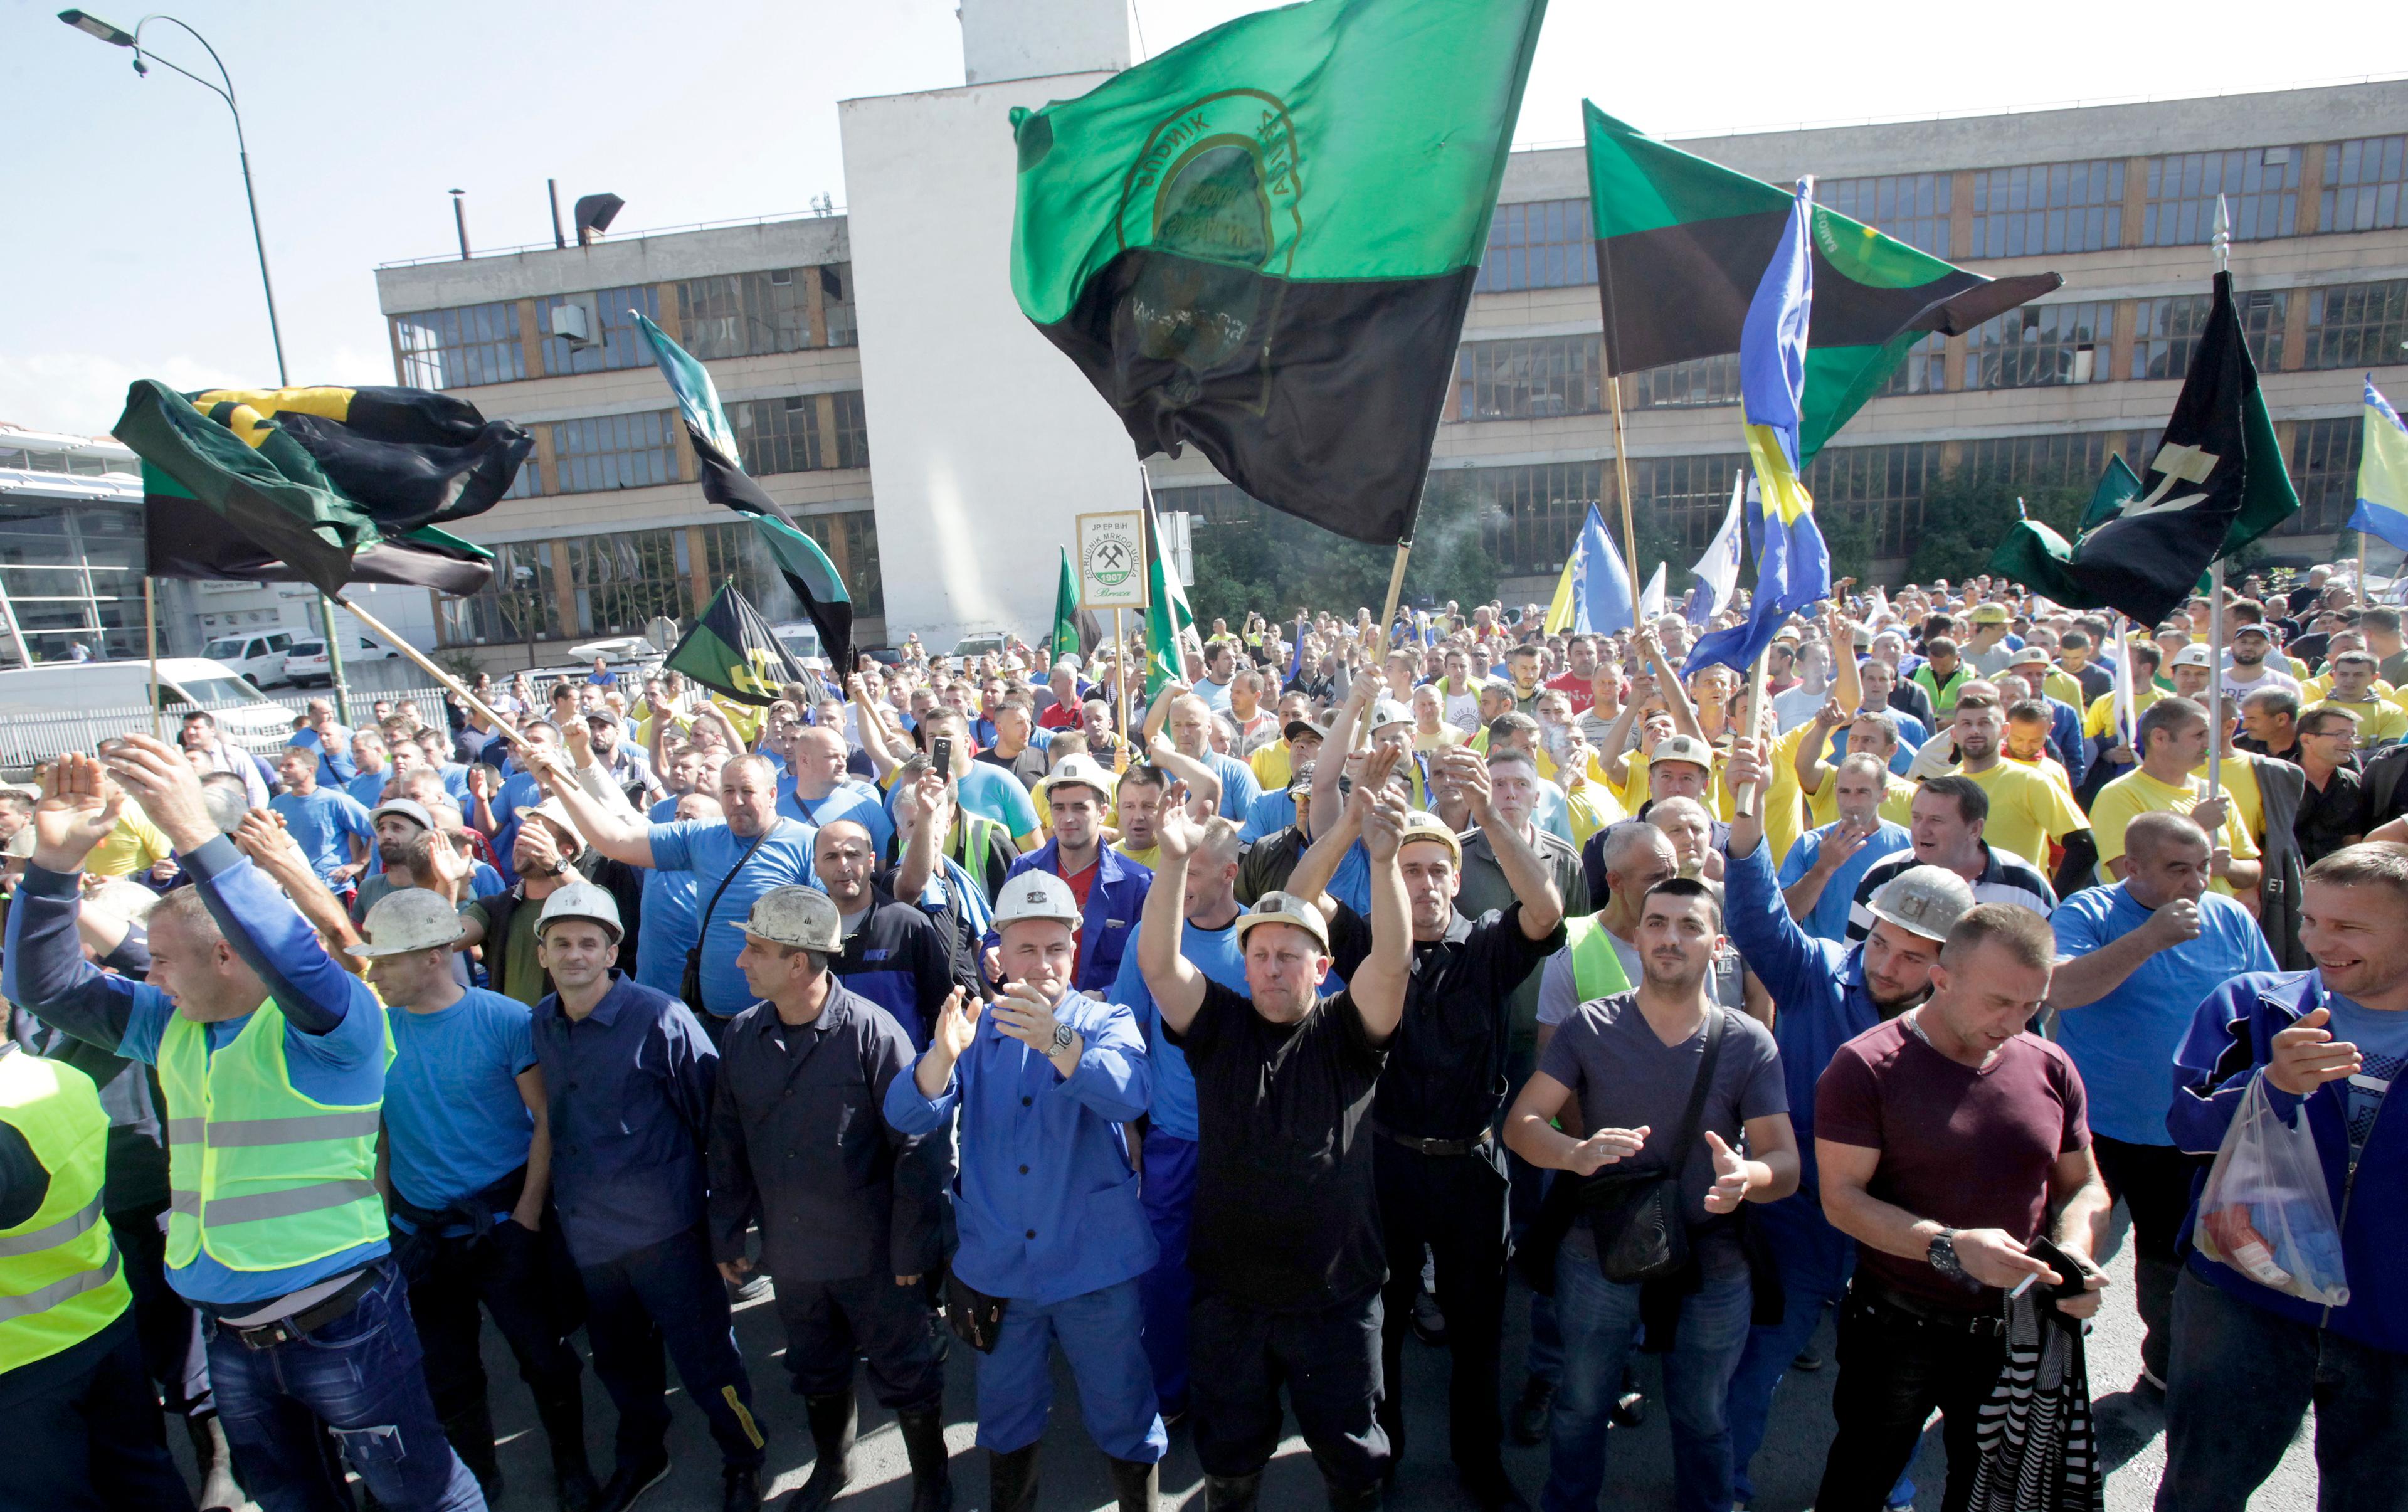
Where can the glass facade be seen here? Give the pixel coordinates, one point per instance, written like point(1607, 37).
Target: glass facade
point(1531, 514)
point(2048, 208)
point(620, 344)
point(777, 435)
point(1910, 207)
point(2165, 331)
point(1529, 379)
point(461, 347)
point(1882, 485)
point(2261, 184)
point(2324, 470)
point(2362, 184)
point(1923, 370)
point(745, 314)
point(72, 572)
point(851, 542)
point(2358, 325)
point(2037, 345)
point(1539, 244)
point(613, 452)
point(517, 605)
point(1684, 385)
point(621, 581)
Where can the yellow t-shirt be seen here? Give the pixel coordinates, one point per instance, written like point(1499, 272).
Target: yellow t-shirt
point(2379, 723)
point(1273, 765)
point(2027, 811)
point(1784, 805)
point(1150, 857)
point(2047, 766)
point(1448, 737)
point(2248, 802)
point(2063, 687)
point(1592, 809)
point(134, 845)
point(2137, 793)
point(2099, 720)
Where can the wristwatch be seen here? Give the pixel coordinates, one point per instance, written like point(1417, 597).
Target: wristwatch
point(1942, 1256)
point(1062, 1038)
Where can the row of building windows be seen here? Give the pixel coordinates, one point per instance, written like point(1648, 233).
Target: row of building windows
point(2033, 209)
point(2347, 325)
point(736, 315)
point(1531, 514)
point(617, 582)
point(73, 463)
point(798, 433)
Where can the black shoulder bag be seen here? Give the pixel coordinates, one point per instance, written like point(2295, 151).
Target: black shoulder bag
point(1635, 1214)
point(690, 986)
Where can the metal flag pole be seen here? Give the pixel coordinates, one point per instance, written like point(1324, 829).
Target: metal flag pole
point(1120, 684)
point(151, 649)
point(2223, 244)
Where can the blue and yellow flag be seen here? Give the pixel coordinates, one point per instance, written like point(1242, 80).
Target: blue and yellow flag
point(1593, 596)
point(1793, 566)
point(2383, 473)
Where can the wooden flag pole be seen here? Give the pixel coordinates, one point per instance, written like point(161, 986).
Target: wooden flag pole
point(1395, 590)
point(1746, 798)
point(450, 683)
point(1120, 684)
point(2215, 684)
point(150, 643)
point(1622, 486)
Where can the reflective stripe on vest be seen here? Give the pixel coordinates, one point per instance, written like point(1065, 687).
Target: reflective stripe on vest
point(59, 1275)
point(1597, 971)
point(261, 1178)
point(978, 847)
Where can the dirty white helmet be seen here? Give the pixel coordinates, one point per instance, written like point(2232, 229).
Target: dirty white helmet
point(581, 901)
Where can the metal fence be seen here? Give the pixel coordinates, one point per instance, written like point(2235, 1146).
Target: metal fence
point(29, 739)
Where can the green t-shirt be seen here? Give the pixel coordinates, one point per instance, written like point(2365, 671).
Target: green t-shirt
point(522, 974)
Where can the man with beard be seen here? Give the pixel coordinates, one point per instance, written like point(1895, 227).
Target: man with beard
point(891, 954)
point(2250, 664)
point(1824, 994)
point(397, 824)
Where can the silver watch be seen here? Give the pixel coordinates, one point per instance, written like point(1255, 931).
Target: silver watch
point(1062, 1038)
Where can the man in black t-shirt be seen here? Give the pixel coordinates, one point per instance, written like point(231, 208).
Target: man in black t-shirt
point(1285, 1237)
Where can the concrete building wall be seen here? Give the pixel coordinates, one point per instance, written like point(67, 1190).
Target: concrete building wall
point(986, 440)
point(1008, 39)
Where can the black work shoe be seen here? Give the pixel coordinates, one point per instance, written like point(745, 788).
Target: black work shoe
point(575, 1490)
point(1807, 1359)
point(1012, 1479)
point(740, 1489)
point(1630, 1409)
point(1233, 1493)
point(833, 1423)
point(1492, 1490)
point(1429, 1323)
point(1529, 1421)
point(626, 1484)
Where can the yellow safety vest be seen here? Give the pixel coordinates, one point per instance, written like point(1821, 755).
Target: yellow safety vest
point(1597, 971)
point(259, 1176)
point(60, 1282)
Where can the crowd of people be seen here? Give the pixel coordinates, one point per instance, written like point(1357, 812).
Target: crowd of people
point(1221, 1035)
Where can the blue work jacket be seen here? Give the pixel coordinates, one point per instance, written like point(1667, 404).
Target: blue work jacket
point(1114, 904)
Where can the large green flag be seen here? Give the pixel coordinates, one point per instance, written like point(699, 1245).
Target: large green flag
point(1167, 618)
point(1263, 241)
point(733, 651)
point(1683, 243)
point(1065, 611)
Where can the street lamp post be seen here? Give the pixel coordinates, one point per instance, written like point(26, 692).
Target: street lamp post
point(93, 26)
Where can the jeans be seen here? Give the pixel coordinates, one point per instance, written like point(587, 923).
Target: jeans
point(1895, 1367)
point(1169, 1192)
point(826, 1323)
point(356, 1378)
point(2153, 1181)
point(1099, 1331)
point(1328, 1360)
point(94, 1443)
point(669, 1293)
point(1601, 1323)
point(2243, 1378)
point(1455, 1204)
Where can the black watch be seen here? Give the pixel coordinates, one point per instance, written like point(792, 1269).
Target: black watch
point(1942, 1253)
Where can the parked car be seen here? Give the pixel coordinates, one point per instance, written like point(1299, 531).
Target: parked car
point(970, 648)
point(306, 664)
point(883, 656)
point(258, 657)
point(802, 642)
point(72, 706)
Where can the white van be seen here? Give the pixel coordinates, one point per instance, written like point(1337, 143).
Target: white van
point(257, 658)
point(64, 705)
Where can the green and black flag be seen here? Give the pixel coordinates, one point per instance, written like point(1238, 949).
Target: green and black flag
point(806, 567)
point(2216, 485)
point(319, 485)
point(1681, 244)
point(732, 651)
point(1264, 240)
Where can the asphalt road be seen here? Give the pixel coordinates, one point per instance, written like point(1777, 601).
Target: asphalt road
point(2130, 1430)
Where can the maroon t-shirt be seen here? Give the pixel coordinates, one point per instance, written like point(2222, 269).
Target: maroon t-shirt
point(1971, 1149)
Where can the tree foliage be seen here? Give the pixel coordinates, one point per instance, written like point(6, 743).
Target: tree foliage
point(1273, 563)
point(1966, 514)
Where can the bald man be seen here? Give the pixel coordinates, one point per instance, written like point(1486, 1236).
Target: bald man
point(815, 788)
point(893, 955)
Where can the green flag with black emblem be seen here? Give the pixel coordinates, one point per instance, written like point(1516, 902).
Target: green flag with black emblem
point(1264, 240)
point(731, 650)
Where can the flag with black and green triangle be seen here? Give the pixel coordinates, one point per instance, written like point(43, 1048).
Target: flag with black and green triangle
point(1263, 241)
point(731, 650)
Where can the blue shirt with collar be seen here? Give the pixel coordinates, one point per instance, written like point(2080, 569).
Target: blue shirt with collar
point(629, 1089)
point(333, 761)
point(519, 792)
point(1829, 918)
point(1046, 1200)
point(1911, 737)
point(368, 787)
point(1115, 900)
point(1220, 955)
point(2124, 1043)
point(710, 850)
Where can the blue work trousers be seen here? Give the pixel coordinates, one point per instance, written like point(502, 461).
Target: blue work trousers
point(357, 1378)
point(1169, 1193)
point(1601, 1324)
point(2244, 1377)
point(668, 1294)
point(1101, 1333)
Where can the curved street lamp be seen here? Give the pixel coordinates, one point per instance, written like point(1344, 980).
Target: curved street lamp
point(93, 26)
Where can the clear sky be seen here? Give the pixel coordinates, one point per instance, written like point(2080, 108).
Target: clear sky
point(126, 251)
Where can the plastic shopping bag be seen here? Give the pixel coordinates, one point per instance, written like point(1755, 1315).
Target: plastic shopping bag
point(2264, 1211)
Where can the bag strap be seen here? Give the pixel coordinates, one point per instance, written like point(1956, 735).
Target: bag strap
point(721, 892)
point(1696, 1112)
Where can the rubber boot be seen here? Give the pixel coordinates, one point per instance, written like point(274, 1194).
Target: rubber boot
point(932, 1475)
point(1232, 1493)
point(471, 1433)
point(1364, 1499)
point(1012, 1479)
point(211, 1452)
point(1135, 1482)
point(562, 1412)
point(835, 1419)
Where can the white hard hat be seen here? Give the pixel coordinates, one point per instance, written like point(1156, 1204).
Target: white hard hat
point(411, 918)
point(797, 917)
point(1923, 900)
point(581, 901)
point(1037, 895)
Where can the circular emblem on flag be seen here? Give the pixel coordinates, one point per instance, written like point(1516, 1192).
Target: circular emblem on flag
point(1215, 194)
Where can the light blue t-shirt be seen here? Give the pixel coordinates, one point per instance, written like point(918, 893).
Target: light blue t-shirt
point(321, 823)
point(1829, 918)
point(854, 801)
point(368, 787)
point(1215, 952)
point(666, 931)
point(992, 793)
point(2124, 1043)
point(1238, 788)
point(1269, 814)
point(2382, 1040)
point(1216, 695)
point(454, 1121)
point(710, 850)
